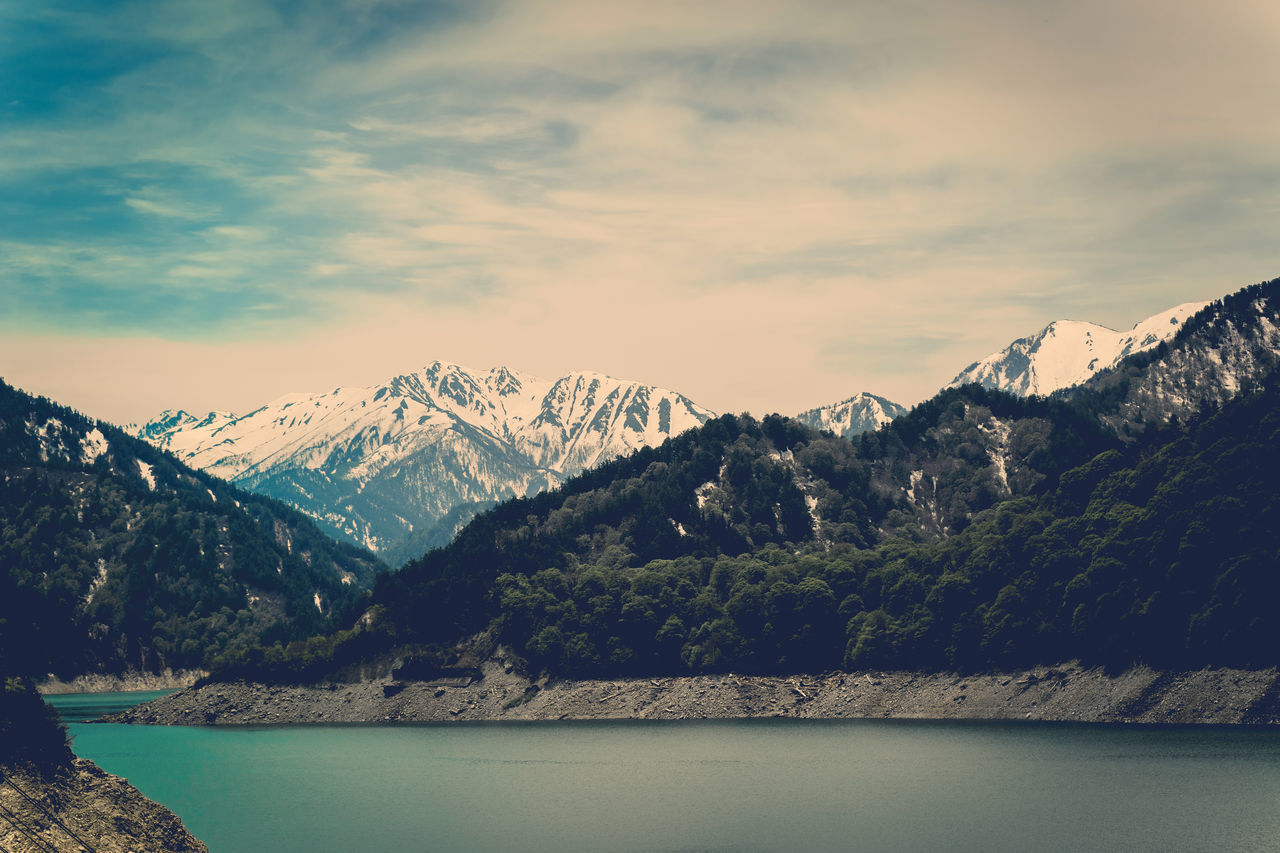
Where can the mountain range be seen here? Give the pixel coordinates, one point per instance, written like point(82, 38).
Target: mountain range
point(1128, 518)
point(118, 554)
point(399, 466)
point(1063, 354)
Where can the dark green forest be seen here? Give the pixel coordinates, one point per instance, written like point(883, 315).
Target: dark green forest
point(1132, 519)
point(978, 531)
point(103, 569)
point(1162, 551)
point(30, 731)
point(737, 486)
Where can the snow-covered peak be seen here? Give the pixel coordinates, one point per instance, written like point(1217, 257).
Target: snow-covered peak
point(162, 429)
point(351, 439)
point(1067, 352)
point(860, 413)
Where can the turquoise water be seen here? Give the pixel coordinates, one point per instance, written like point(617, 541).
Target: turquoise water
point(776, 785)
point(79, 707)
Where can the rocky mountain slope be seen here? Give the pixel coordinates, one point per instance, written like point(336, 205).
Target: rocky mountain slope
point(116, 556)
point(1227, 349)
point(858, 414)
point(384, 465)
point(1068, 352)
point(50, 800)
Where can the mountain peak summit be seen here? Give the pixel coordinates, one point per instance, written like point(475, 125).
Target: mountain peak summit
point(1067, 352)
point(380, 463)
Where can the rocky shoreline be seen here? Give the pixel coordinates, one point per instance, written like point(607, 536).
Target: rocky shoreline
point(1068, 693)
point(128, 682)
point(83, 807)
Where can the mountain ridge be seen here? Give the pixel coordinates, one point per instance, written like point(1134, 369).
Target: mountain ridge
point(116, 556)
point(378, 464)
point(980, 530)
point(1068, 352)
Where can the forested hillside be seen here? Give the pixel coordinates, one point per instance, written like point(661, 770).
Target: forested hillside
point(113, 555)
point(979, 530)
point(1163, 551)
point(733, 488)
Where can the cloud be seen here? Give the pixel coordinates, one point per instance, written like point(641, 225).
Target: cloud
point(895, 190)
point(167, 207)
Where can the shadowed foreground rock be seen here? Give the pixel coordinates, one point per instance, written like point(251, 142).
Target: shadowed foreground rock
point(83, 807)
point(1068, 692)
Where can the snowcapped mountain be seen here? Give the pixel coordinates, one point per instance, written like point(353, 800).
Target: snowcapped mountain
point(376, 465)
point(1067, 352)
point(1229, 349)
point(861, 413)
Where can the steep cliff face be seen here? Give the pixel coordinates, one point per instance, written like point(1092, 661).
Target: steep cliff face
point(83, 807)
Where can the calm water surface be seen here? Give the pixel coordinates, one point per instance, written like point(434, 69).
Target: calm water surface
point(776, 785)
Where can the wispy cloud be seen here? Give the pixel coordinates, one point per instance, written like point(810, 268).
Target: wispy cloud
point(881, 193)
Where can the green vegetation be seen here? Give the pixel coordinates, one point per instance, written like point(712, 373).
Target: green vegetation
point(30, 731)
point(1133, 519)
point(103, 569)
point(1162, 551)
point(737, 486)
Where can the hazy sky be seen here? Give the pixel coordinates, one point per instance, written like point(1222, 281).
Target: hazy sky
point(765, 206)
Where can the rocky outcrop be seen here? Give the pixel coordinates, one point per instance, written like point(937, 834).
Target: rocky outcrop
point(1069, 692)
point(83, 807)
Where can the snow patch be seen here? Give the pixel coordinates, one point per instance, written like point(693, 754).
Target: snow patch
point(916, 477)
point(999, 453)
point(93, 445)
point(812, 503)
point(858, 414)
point(147, 472)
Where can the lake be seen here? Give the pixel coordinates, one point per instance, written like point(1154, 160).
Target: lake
point(765, 785)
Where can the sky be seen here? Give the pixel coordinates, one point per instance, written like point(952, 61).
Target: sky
point(766, 206)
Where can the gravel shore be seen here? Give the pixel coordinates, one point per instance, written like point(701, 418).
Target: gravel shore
point(1067, 692)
